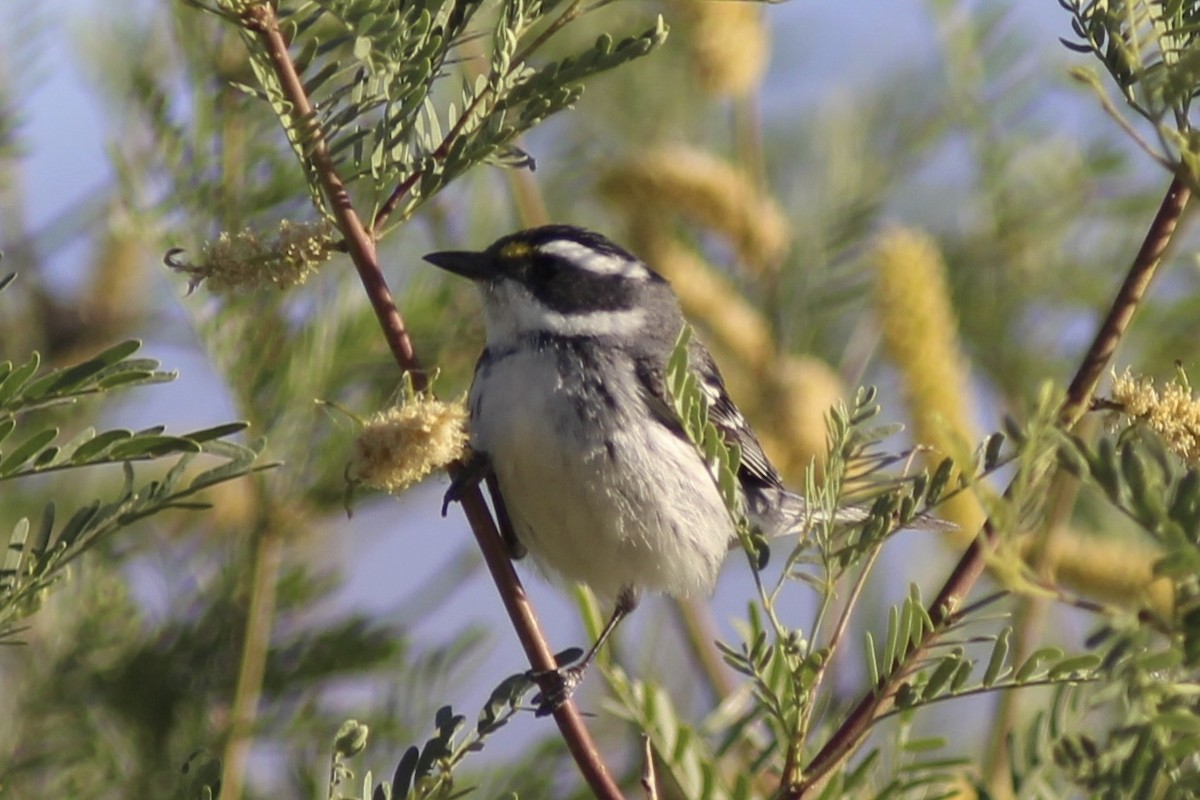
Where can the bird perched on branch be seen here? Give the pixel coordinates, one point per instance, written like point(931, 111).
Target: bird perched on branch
point(570, 410)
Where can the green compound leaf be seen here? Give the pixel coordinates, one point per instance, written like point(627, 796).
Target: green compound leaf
point(18, 456)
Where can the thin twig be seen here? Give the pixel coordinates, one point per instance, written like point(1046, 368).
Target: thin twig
point(260, 19)
point(360, 245)
point(695, 620)
point(256, 643)
point(843, 623)
point(1079, 395)
point(574, 10)
point(795, 747)
point(529, 632)
point(649, 779)
point(845, 740)
point(1114, 113)
point(1036, 683)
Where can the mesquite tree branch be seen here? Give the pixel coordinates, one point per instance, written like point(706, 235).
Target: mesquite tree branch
point(360, 246)
point(943, 610)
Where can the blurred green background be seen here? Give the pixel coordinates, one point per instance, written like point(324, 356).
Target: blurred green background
point(755, 159)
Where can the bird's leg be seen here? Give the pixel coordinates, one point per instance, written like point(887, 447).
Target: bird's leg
point(627, 601)
point(516, 550)
point(473, 470)
point(558, 685)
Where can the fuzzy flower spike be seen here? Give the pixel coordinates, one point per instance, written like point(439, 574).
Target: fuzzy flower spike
point(247, 261)
point(1173, 413)
point(403, 444)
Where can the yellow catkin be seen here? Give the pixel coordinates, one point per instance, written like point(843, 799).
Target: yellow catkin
point(728, 44)
point(401, 445)
point(1117, 570)
point(706, 190)
point(920, 332)
point(240, 262)
point(1173, 413)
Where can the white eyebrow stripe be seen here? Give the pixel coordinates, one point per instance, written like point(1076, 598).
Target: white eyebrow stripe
point(594, 261)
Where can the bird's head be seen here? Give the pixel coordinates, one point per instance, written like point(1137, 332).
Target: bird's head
point(563, 281)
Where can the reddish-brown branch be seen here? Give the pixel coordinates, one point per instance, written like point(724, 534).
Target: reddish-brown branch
point(360, 245)
point(570, 724)
point(396, 196)
point(850, 734)
point(439, 153)
point(1099, 355)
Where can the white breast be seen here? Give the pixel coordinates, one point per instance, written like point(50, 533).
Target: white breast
point(636, 508)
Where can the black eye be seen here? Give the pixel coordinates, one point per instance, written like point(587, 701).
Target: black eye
point(542, 270)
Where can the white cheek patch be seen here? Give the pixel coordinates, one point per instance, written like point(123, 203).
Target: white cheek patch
point(595, 323)
point(511, 312)
point(596, 262)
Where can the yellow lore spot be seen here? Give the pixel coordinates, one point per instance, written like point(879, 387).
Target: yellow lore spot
point(514, 251)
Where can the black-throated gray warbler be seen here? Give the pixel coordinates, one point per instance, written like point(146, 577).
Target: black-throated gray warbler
point(570, 411)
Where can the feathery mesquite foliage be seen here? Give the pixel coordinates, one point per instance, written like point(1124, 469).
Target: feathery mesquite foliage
point(844, 665)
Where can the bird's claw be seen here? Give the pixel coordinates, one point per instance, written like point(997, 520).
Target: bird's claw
point(453, 495)
point(474, 469)
point(556, 687)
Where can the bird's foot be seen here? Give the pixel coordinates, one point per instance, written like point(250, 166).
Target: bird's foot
point(474, 468)
point(557, 685)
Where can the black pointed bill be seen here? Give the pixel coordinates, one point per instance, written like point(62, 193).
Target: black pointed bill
point(476, 266)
